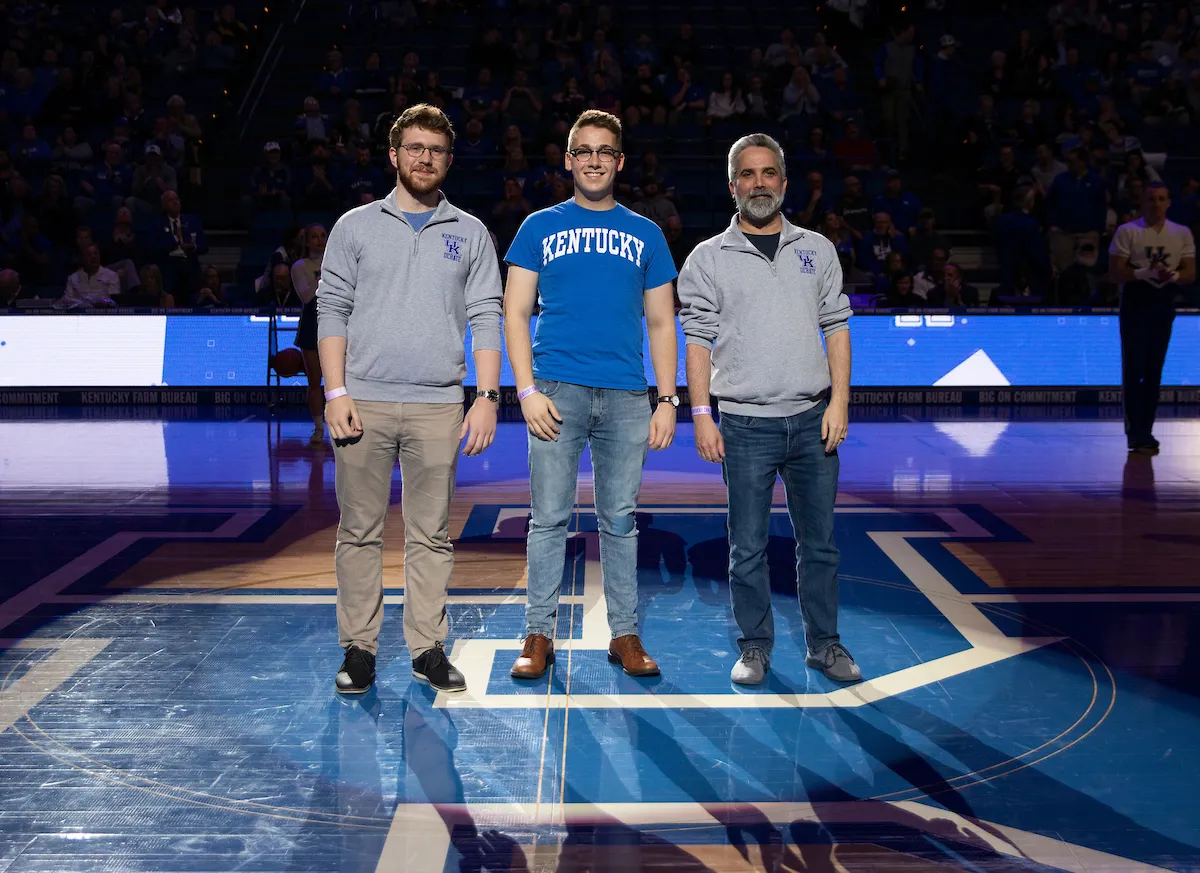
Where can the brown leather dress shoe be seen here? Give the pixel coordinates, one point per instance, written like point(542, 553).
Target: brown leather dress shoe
point(628, 652)
point(536, 655)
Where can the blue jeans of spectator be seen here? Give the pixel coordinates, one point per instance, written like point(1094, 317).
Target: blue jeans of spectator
point(616, 424)
point(756, 451)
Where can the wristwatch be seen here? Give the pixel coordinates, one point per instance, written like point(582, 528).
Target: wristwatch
point(491, 394)
point(673, 399)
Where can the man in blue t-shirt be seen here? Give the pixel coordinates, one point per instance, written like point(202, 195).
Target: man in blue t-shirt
point(593, 267)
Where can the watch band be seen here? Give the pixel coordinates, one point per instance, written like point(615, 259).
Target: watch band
point(701, 410)
point(334, 393)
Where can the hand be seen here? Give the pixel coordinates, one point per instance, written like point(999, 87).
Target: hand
point(541, 416)
point(835, 424)
point(480, 423)
point(662, 426)
point(709, 443)
point(342, 417)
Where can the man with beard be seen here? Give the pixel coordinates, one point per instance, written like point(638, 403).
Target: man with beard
point(594, 266)
point(400, 281)
point(756, 300)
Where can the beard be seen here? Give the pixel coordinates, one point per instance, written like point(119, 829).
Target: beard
point(419, 185)
point(761, 204)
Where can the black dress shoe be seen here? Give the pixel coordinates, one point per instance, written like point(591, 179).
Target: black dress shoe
point(357, 673)
point(435, 668)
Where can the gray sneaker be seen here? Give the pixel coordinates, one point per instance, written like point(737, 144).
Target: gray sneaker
point(836, 663)
point(751, 668)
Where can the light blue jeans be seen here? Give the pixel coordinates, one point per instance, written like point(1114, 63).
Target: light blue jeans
point(616, 424)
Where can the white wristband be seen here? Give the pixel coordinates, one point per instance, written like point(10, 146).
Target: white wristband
point(1144, 273)
point(701, 410)
point(334, 393)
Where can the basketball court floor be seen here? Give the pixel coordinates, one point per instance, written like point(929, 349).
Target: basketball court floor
point(1022, 596)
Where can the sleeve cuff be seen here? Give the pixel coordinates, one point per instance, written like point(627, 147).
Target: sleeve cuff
point(485, 342)
point(836, 327)
point(698, 341)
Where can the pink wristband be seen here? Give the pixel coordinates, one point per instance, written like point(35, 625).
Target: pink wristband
point(525, 392)
point(701, 410)
point(335, 393)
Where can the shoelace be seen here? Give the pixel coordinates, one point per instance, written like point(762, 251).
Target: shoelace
point(437, 655)
point(832, 652)
point(752, 655)
point(357, 659)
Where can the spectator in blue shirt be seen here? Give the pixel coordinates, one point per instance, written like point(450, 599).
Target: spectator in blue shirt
point(1145, 72)
point(23, 99)
point(108, 184)
point(362, 181)
point(481, 100)
point(31, 154)
point(903, 206)
point(1021, 248)
point(1076, 209)
point(335, 82)
point(879, 242)
point(688, 98)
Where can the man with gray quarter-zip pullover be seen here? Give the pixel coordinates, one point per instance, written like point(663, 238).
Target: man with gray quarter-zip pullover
point(757, 300)
point(401, 279)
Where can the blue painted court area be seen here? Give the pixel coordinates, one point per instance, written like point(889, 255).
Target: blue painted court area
point(167, 704)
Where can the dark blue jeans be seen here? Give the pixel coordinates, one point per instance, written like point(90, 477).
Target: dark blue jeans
point(756, 451)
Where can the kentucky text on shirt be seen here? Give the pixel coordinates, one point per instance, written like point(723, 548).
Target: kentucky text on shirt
point(581, 239)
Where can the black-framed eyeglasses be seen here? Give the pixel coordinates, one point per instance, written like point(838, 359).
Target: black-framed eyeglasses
point(417, 149)
point(607, 154)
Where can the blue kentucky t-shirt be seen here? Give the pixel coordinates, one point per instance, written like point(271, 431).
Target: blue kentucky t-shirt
point(593, 268)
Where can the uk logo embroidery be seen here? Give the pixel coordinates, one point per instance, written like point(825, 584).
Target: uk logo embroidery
point(454, 244)
point(808, 260)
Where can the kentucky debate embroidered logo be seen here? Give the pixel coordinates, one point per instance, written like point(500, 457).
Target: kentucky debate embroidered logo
point(808, 260)
point(454, 246)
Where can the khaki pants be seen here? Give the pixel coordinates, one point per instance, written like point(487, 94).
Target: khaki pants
point(1067, 249)
point(425, 437)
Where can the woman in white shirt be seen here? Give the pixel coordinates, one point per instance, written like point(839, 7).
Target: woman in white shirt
point(726, 102)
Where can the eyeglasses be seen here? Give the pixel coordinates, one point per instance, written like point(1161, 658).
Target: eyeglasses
point(417, 149)
point(607, 154)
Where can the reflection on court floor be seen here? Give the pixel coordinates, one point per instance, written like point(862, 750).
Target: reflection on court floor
point(1021, 596)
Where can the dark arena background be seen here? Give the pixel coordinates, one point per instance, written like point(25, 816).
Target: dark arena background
point(1021, 591)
